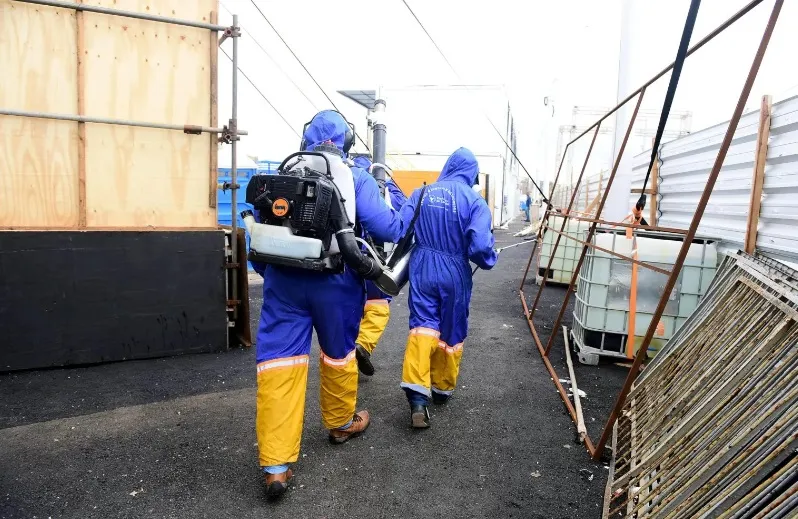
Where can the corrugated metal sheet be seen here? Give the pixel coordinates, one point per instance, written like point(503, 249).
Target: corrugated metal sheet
point(684, 170)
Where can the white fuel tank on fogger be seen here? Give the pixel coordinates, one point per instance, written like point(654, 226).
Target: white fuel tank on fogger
point(307, 215)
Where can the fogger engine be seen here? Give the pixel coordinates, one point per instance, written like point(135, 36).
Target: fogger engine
point(302, 201)
point(307, 215)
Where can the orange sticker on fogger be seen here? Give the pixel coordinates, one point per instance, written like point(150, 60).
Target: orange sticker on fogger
point(280, 207)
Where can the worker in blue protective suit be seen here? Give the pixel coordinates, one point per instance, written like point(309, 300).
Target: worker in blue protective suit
point(453, 227)
point(377, 311)
point(295, 302)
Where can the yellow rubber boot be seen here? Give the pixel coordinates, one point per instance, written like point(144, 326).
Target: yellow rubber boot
point(338, 390)
point(375, 318)
point(445, 366)
point(416, 368)
point(280, 409)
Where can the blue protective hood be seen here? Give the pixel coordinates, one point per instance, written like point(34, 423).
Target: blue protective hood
point(362, 162)
point(461, 166)
point(326, 126)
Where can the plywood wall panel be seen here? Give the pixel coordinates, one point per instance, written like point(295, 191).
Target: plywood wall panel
point(38, 157)
point(38, 59)
point(194, 10)
point(132, 69)
point(146, 71)
point(154, 72)
point(138, 177)
point(38, 173)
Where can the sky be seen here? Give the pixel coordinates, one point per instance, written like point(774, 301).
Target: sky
point(566, 50)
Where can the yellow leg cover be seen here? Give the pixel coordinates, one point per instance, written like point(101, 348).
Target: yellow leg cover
point(375, 318)
point(445, 366)
point(338, 391)
point(416, 369)
point(281, 408)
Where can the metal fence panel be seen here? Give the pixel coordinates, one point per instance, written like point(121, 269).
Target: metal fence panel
point(717, 437)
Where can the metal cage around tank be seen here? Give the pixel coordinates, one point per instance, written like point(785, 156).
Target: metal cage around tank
point(602, 313)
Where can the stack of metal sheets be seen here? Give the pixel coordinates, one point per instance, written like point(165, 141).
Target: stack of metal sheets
point(710, 428)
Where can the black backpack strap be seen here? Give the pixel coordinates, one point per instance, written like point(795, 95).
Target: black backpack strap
point(406, 240)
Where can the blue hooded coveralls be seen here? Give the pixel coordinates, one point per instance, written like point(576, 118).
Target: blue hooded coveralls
point(453, 227)
point(377, 311)
point(295, 301)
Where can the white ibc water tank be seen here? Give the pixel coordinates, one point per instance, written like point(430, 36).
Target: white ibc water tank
point(568, 251)
point(602, 311)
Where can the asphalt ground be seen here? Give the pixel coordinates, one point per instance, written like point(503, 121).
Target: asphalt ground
point(175, 437)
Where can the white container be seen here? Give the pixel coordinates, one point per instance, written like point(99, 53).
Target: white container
point(601, 312)
point(343, 180)
point(568, 251)
point(274, 240)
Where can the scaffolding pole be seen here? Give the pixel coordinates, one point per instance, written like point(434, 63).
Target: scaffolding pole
point(127, 14)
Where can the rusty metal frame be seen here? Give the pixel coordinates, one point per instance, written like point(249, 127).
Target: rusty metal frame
point(670, 230)
point(597, 451)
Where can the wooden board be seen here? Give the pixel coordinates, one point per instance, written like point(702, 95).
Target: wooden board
point(758, 181)
point(654, 205)
point(213, 172)
point(38, 157)
point(148, 71)
point(131, 69)
point(482, 179)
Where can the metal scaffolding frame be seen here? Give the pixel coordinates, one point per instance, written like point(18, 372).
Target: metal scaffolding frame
point(597, 450)
point(229, 134)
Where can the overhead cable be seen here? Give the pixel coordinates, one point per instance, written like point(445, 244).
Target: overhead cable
point(304, 67)
point(283, 72)
point(262, 95)
point(454, 71)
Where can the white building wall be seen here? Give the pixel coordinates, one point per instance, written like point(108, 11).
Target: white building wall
point(427, 123)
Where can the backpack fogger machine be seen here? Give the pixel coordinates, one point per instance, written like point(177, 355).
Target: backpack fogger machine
point(307, 217)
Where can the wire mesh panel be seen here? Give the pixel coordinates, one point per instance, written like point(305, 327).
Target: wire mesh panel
point(710, 428)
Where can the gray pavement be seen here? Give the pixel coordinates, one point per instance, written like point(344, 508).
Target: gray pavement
point(175, 437)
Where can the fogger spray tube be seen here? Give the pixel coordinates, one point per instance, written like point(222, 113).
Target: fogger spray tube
point(366, 266)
